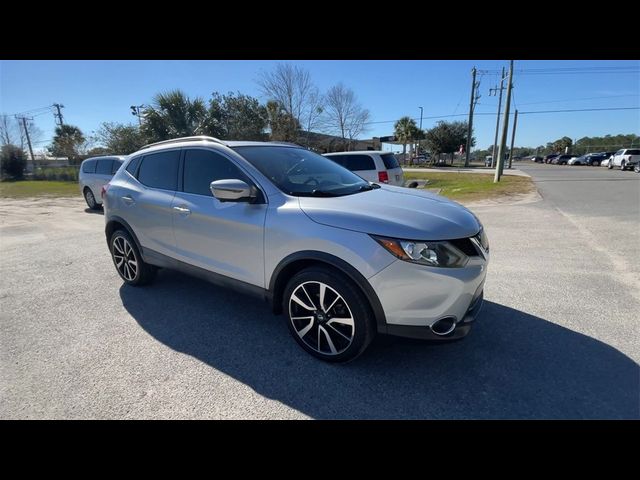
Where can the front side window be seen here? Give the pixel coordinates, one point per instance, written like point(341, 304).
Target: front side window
point(89, 166)
point(300, 172)
point(104, 166)
point(201, 167)
point(160, 170)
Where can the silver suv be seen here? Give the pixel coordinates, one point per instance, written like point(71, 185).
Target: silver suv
point(94, 174)
point(341, 257)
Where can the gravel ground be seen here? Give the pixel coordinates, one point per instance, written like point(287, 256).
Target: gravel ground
point(558, 336)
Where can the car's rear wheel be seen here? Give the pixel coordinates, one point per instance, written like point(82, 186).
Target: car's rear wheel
point(596, 163)
point(328, 315)
point(128, 261)
point(90, 199)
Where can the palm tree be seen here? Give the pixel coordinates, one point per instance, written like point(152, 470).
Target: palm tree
point(405, 131)
point(66, 141)
point(173, 114)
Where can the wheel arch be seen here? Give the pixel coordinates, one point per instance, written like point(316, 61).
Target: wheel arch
point(114, 224)
point(298, 261)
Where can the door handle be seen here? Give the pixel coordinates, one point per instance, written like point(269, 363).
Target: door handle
point(182, 209)
point(128, 199)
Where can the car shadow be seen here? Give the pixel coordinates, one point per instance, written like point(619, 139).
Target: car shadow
point(512, 365)
point(98, 211)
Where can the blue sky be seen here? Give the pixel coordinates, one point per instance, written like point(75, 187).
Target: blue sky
point(97, 91)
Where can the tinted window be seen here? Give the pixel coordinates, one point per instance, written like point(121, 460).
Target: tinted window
point(104, 166)
point(633, 152)
point(133, 166)
point(160, 170)
point(116, 166)
point(201, 167)
point(390, 160)
point(89, 166)
point(354, 162)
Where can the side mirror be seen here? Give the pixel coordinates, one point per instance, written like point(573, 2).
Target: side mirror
point(233, 190)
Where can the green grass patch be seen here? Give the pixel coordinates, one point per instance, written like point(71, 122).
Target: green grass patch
point(64, 174)
point(38, 188)
point(473, 186)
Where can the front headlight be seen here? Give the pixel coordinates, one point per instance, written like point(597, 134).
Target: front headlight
point(433, 254)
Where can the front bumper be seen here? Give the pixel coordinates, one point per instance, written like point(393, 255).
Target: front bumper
point(463, 327)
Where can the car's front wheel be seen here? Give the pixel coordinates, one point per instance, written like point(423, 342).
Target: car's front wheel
point(623, 166)
point(128, 261)
point(90, 199)
point(610, 165)
point(328, 315)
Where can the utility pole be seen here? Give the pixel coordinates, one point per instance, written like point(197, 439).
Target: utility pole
point(513, 137)
point(26, 132)
point(135, 110)
point(505, 126)
point(495, 138)
point(58, 115)
point(420, 134)
point(470, 122)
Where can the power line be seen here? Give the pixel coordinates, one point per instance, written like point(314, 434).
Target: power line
point(581, 110)
point(579, 99)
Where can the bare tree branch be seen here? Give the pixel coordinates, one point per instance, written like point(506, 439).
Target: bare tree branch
point(343, 114)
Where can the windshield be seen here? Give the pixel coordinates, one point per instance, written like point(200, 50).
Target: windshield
point(300, 172)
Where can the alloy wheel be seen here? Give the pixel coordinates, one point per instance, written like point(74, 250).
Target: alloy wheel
point(321, 318)
point(125, 259)
point(91, 200)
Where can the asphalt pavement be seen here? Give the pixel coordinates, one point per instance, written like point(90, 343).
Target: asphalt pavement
point(558, 336)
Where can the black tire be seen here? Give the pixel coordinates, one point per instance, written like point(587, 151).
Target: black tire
point(596, 163)
point(610, 165)
point(90, 198)
point(623, 166)
point(637, 168)
point(353, 302)
point(144, 273)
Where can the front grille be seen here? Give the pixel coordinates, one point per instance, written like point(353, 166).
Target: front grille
point(466, 246)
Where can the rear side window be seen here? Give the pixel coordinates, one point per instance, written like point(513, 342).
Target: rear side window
point(201, 167)
point(133, 166)
point(633, 152)
point(104, 166)
point(160, 170)
point(354, 162)
point(116, 166)
point(390, 160)
point(89, 166)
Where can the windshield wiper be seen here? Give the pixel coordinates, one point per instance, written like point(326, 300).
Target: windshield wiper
point(322, 193)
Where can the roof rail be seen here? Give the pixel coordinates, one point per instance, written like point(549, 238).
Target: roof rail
point(185, 139)
point(285, 143)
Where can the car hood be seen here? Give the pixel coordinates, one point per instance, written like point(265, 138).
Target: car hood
point(394, 212)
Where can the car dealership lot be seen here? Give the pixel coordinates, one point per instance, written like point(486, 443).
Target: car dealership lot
point(558, 337)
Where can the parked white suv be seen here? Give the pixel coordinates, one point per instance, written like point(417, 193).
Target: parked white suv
point(373, 166)
point(625, 158)
point(94, 173)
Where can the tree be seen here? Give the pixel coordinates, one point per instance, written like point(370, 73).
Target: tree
point(312, 117)
point(236, 117)
point(561, 144)
point(283, 126)
point(291, 86)
point(119, 139)
point(446, 137)
point(405, 131)
point(343, 114)
point(173, 114)
point(67, 141)
point(12, 161)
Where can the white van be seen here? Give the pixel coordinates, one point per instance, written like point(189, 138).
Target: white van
point(94, 174)
point(372, 165)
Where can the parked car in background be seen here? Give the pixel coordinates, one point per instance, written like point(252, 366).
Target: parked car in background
point(374, 166)
point(562, 159)
point(605, 161)
point(550, 157)
point(94, 173)
point(625, 158)
point(342, 258)
point(581, 160)
point(537, 159)
point(594, 159)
